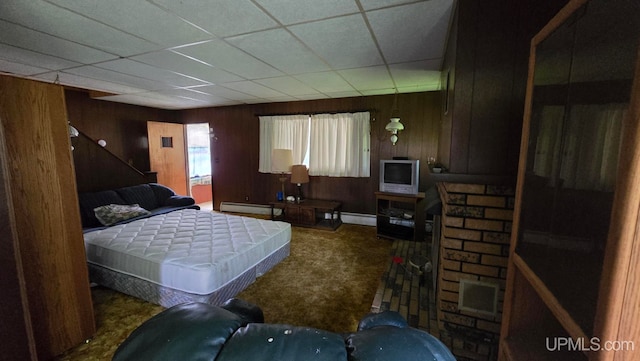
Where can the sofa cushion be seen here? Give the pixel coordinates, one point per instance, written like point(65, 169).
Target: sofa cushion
point(92, 200)
point(141, 194)
point(267, 342)
point(190, 331)
point(114, 213)
point(390, 343)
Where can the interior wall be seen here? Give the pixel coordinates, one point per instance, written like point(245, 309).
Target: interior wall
point(235, 147)
point(123, 126)
point(487, 58)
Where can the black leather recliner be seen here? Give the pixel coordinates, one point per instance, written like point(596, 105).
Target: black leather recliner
point(235, 331)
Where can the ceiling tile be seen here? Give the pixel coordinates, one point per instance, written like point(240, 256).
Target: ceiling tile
point(377, 4)
point(254, 89)
point(343, 42)
point(344, 94)
point(376, 77)
point(139, 18)
point(415, 73)
point(51, 19)
point(194, 53)
point(412, 32)
point(290, 12)
point(280, 49)
point(19, 68)
point(27, 57)
point(97, 73)
point(154, 100)
point(221, 17)
point(220, 54)
point(169, 60)
point(24, 38)
point(326, 82)
point(138, 69)
point(312, 97)
point(85, 82)
point(223, 92)
point(287, 85)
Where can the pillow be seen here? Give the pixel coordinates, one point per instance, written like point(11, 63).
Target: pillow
point(114, 213)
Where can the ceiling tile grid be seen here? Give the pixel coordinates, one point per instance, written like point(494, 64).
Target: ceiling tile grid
point(199, 53)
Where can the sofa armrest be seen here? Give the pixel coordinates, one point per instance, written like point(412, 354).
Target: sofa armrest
point(179, 201)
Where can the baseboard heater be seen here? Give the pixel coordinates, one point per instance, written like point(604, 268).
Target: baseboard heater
point(351, 218)
point(247, 208)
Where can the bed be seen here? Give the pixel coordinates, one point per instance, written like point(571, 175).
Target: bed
point(186, 255)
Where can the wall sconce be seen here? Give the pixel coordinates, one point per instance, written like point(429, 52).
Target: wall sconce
point(102, 143)
point(73, 132)
point(394, 126)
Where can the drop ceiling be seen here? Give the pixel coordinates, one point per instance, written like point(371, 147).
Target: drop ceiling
point(184, 54)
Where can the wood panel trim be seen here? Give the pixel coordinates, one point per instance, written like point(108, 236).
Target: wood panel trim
point(616, 319)
point(46, 210)
point(561, 314)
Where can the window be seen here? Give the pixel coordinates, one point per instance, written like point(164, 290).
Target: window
point(336, 145)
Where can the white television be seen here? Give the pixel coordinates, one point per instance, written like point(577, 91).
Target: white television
point(399, 176)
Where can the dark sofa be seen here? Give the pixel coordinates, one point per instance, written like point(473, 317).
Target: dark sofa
point(154, 197)
point(236, 331)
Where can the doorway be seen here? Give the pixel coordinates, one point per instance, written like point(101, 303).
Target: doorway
point(199, 164)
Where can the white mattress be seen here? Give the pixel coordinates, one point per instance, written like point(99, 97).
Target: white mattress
point(188, 250)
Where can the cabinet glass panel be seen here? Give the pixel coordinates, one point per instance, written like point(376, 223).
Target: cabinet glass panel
point(581, 93)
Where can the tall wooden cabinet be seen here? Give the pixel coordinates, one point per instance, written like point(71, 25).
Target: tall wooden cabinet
point(572, 286)
point(46, 306)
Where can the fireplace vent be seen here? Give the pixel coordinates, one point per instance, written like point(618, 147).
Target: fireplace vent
point(478, 296)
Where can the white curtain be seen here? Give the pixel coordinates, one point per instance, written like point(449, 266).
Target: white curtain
point(548, 143)
point(592, 146)
point(283, 132)
point(340, 145)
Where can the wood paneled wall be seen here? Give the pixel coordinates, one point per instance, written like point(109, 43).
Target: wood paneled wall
point(123, 126)
point(45, 217)
point(486, 61)
point(235, 148)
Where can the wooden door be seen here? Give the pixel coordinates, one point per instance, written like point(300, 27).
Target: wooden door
point(167, 154)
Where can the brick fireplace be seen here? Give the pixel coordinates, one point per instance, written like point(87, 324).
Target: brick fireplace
point(474, 247)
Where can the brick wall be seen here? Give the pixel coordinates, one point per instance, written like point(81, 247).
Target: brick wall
point(476, 230)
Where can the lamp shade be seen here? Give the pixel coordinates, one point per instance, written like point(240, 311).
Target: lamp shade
point(394, 125)
point(281, 160)
point(299, 174)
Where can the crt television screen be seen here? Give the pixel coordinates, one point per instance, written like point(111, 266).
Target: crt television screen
point(397, 173)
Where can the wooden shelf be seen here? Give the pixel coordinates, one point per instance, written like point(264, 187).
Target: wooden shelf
point(400, 216)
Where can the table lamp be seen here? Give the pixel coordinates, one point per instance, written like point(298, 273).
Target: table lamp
point(299, 175)
point(281, 161)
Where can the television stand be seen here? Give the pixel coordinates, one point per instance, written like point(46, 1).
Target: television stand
point(400, 216)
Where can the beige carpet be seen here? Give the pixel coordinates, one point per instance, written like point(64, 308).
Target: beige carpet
point(329, 281)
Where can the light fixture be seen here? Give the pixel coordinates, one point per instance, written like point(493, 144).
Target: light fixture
point(281, 161)
point(73, 132)
point(102, 143)
point(299, 175)
point(394, 126)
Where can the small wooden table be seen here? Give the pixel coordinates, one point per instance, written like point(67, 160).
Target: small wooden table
point(309, 213)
